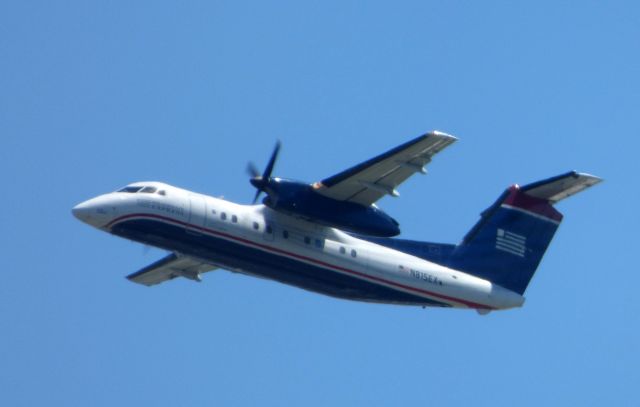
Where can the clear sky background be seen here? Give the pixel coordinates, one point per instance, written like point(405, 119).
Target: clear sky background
point(95, 95)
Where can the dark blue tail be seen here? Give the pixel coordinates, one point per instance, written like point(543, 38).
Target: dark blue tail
point(507, 244)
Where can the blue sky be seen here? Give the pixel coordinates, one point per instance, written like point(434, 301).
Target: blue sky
point(94, 95)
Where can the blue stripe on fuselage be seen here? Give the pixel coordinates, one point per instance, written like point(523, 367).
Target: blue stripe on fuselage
point(233, 255)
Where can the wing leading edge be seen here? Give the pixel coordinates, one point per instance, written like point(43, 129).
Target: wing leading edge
point(170, 267)
point(369, 181)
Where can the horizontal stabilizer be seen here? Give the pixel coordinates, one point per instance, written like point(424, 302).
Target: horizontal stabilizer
point(170, 267)
point(557, 188)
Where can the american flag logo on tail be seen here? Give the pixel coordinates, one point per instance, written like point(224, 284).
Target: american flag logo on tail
point(511, 243)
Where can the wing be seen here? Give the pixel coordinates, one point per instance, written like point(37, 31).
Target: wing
point(371, 180)
point(170, 267)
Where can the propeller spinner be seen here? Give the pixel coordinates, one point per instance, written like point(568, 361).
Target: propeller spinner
point(261, 181)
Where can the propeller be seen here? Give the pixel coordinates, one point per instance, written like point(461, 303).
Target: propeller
point(261, 181)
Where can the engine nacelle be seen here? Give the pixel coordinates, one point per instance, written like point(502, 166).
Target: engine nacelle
point(299, 199)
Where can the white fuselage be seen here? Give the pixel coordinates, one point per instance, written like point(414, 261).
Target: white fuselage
point(256, 240)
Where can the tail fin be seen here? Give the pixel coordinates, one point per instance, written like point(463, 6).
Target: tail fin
point(507, 244)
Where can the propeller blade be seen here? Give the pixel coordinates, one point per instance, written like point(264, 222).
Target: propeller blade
point(272, 161)
point(261, 181)
point(252, 170)
point(255, 198)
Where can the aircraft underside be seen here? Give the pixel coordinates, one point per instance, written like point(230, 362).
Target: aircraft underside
point(241, 257)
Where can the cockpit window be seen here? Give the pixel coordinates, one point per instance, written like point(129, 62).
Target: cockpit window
point(131, 190)
point(149, 190)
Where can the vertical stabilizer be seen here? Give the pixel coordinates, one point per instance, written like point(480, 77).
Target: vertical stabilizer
point(507, 244)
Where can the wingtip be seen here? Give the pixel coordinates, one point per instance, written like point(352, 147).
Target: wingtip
point(591, 179)
point(443, 135)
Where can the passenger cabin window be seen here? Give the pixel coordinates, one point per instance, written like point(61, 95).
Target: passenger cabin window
point(256, 226)
point(149, 190)
point(269, 229)
point(342, 250)
point(285, 234)
point(307, 240)
point(353, 253)
point(234, 219)
point(223, 216)
point(318, 243)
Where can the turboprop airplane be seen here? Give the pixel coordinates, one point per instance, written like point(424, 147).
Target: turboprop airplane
point(330, 237)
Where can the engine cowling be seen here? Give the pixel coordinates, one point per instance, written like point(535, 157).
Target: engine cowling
point(299, 199)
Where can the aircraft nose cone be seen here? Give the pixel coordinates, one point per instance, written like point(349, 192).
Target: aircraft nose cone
point(96, 211)
point(82, 211)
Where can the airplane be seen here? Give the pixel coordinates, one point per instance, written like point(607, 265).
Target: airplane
point(331, 238)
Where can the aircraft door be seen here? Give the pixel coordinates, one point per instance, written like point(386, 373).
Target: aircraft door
point(197, 210)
